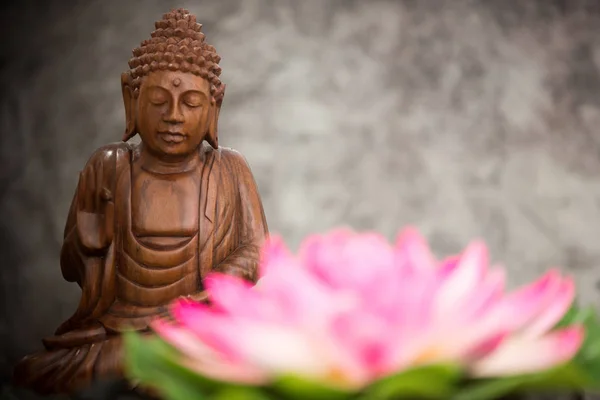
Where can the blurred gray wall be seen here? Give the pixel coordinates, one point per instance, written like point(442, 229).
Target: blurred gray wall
point(468, 119)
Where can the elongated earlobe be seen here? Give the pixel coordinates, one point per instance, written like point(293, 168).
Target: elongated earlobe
point(212, 136)
point(129, 101)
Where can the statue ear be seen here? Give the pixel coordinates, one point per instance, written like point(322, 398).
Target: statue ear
point(212, 136)
point(129, 101)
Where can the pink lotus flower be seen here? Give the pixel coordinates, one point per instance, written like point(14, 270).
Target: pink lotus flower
point(350, 308)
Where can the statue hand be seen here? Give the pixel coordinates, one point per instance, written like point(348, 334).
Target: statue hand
point(200, 297)
point(95, 210)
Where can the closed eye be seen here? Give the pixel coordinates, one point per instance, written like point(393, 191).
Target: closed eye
point(194, 99)
point(157, 96)
point(158, 100)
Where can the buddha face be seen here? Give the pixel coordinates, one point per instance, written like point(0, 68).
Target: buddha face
point(173, 112)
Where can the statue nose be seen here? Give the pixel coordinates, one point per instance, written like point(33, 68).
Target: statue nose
point(174, 115)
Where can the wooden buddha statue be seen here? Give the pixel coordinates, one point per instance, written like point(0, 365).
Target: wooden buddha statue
point(149, 221)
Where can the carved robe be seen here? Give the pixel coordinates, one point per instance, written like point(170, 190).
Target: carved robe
point(126, 282)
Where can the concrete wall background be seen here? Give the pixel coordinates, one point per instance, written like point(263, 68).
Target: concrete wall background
point(468, 119)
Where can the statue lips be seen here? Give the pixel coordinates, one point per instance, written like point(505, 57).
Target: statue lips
point(172, 137)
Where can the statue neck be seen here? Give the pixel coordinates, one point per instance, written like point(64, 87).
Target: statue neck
point(165, 165)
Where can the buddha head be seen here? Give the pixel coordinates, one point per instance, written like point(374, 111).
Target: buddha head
point(172, 92)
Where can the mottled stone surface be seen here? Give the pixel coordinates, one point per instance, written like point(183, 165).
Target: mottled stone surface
point(468, 119)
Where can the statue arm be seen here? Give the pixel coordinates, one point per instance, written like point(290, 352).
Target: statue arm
point(242, 220)
point(71, 258)
point(88, 230)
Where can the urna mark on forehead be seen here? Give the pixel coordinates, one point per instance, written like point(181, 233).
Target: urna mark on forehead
point(177, 81)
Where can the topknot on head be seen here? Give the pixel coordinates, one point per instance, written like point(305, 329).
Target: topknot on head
point(177, 44)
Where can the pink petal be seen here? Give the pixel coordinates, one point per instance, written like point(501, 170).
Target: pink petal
point(414, 307)
point(369, 262)
point(464, 279)
point(282, 350)
point(367, 338)
point(455, 342)
point(349, 261)
point(321, 255)
point(484, 298)
point(523, 306)
point(527, 355)
point(225, 371)
point(412, 251)
point(487, 346)
point(202, 359)
point(182, 339)
point(217, 331)
point(556, 308)
point(274, 254)
point(231, 294)
point(296, 297)
point(448, 265)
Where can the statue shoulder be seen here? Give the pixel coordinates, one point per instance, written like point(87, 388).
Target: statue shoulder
point(234, 159)
point(237, 171)
point(233, 168)
point(108, 154)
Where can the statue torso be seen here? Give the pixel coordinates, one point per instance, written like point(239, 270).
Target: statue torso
point(164, 207)
point(157, 217)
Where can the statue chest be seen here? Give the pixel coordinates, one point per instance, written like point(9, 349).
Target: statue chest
point(164, 206)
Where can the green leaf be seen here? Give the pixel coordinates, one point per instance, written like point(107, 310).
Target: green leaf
point(239, 393)
point(588, 357)
point(429, 382)
point(564, 378)
point(294, 387)
point(572, 316)
point(151, 362)
point(154, 363)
